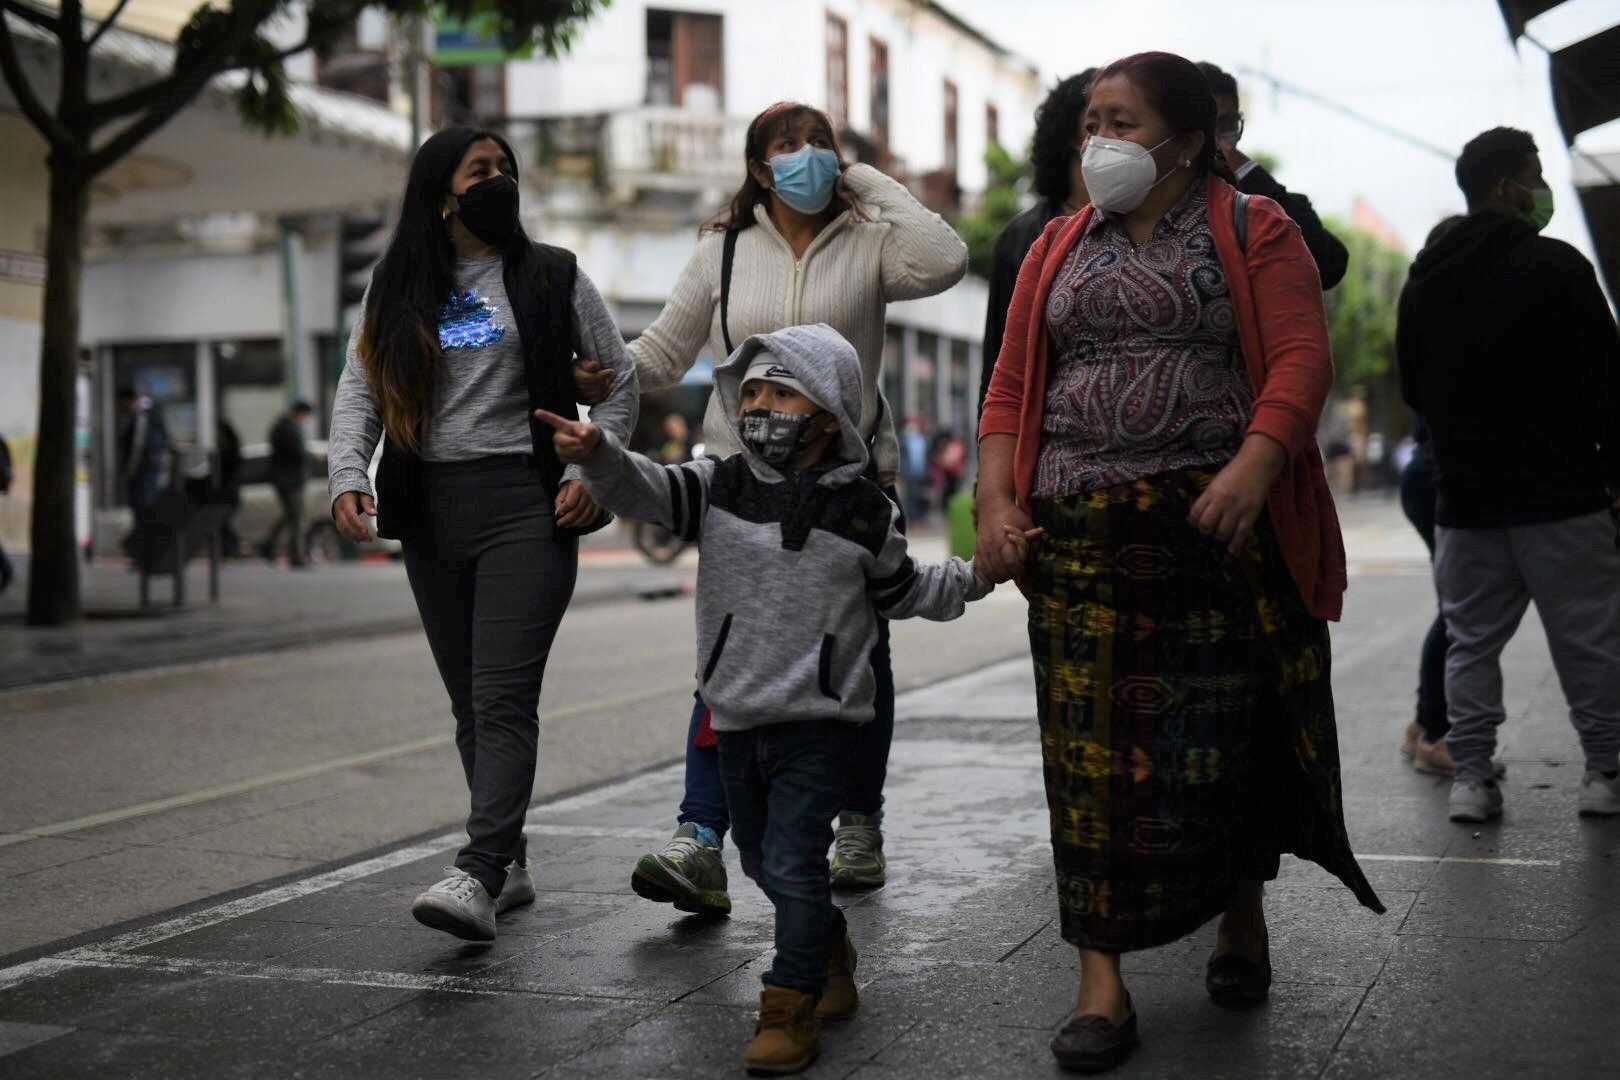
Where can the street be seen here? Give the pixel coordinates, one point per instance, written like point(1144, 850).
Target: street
point(207, 870)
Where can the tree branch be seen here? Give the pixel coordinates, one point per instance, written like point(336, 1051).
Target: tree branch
point(133, 101)
point(30, 14)
point(181, 89)
point(55, 133)
point(107, 23)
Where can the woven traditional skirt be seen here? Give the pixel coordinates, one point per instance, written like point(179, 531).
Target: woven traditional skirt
point(1186, 714)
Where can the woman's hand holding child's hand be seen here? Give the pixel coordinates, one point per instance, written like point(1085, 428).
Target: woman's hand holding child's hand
point(1008, 558)
point(575, 440)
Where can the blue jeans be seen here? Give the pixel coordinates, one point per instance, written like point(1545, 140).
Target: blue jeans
point(1417, 502)
point(704, 801)
point(785, 784)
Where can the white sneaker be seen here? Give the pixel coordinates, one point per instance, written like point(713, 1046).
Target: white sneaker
point(1600, 795)
point(458, 905)
point(1474, 800)
point(518, 890)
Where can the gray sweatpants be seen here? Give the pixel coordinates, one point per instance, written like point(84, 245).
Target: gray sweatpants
point(1486, 579)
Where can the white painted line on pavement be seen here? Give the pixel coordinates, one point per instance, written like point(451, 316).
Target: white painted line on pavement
point(293, 890)
point(304, 772)
point(1459, 859)
point(383, 980)
point(598, 832)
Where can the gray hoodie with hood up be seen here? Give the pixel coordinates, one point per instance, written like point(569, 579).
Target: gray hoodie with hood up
point(797, 565)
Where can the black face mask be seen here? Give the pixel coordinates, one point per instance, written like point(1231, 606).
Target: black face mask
point(489, 209)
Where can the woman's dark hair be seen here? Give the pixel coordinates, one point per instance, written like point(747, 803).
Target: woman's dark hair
point(1177, 90)
point(1057, 128)
point(765, 129)
point(399, 337)
point(1491, 157)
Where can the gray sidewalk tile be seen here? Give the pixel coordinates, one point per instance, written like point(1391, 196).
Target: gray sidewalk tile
point(483, 1036)
point(17, 1036)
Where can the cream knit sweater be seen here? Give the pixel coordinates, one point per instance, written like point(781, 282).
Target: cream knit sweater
point(846, 278)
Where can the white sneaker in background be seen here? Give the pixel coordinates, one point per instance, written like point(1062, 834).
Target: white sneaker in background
point(1600, 795)
point(458, 905)
point(1474, 800)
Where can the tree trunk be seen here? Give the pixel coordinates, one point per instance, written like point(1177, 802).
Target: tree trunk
point(53, 574)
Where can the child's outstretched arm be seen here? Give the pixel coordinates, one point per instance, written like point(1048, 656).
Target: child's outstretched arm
point(902, 588)
point(674, 496)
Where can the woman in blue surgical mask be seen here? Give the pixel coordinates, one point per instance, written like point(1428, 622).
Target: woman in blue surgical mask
point(811, 239)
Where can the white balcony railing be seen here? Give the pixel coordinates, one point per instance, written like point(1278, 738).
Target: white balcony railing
point(671, 148)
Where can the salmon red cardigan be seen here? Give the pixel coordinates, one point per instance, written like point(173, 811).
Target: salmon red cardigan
point(1282, 328)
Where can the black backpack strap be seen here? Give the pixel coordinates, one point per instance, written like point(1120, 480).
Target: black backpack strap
point(1240, 220)
point(728, 256)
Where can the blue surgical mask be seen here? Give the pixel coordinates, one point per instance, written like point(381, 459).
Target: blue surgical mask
point(805, 178)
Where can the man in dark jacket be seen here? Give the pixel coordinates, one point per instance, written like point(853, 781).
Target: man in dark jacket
point(1059, 190)
point(1330, 255)
point(1508, 350)
point(289, 468)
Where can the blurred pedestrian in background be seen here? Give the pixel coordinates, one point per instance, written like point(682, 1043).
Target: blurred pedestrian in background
point(289, 468)
point(6, 570)
point(1508, 350)
point(228, 445)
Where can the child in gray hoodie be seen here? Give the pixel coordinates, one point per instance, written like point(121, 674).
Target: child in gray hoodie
point(801, 553)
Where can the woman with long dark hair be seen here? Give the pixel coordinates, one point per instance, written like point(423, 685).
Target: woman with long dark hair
point(1154, 410)
point(806, 239)
point(470, 326)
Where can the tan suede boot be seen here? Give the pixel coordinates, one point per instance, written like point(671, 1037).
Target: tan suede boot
point(788, 1035)
point(840, 999)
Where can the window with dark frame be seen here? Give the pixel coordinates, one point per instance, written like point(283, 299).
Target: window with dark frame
point(684, 50)
point(992, 126)
point(951, 160)
point(837, 71)
point(880, 93)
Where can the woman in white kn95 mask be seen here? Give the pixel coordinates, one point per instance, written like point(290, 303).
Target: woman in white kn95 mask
point(1153, 411)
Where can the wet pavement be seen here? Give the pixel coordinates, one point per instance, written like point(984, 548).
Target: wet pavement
point(1497, 957)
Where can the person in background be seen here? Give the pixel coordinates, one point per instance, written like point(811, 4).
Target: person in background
point(914, 468)
point(1059, 188)
point(1507, 349)
point(677, 444)
point(1191, 555)
point(143, 443)
point(229, 446)
point(1252, 178)
point(289, 468)
point(6, 571)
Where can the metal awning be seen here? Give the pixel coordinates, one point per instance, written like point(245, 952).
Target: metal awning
point(349, 152)
point(1586, 94)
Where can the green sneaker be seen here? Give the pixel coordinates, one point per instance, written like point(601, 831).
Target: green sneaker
point(857, 861)
point(686, 874)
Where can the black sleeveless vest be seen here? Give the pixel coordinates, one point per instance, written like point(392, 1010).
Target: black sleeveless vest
point(540, 287)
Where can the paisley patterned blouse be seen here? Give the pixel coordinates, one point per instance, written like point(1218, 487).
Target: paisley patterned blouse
point(1147, 375)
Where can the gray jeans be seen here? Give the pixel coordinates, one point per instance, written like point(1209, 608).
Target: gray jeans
point(491, 583)
point(1486, 579)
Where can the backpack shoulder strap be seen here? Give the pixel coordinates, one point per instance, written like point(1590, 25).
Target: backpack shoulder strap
point(728, 256)
point(1240, 220)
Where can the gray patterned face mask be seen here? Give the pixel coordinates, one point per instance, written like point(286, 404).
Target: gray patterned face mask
point(779, 437)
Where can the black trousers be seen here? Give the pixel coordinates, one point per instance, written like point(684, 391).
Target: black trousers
point(291, 521)
point(492, 581)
